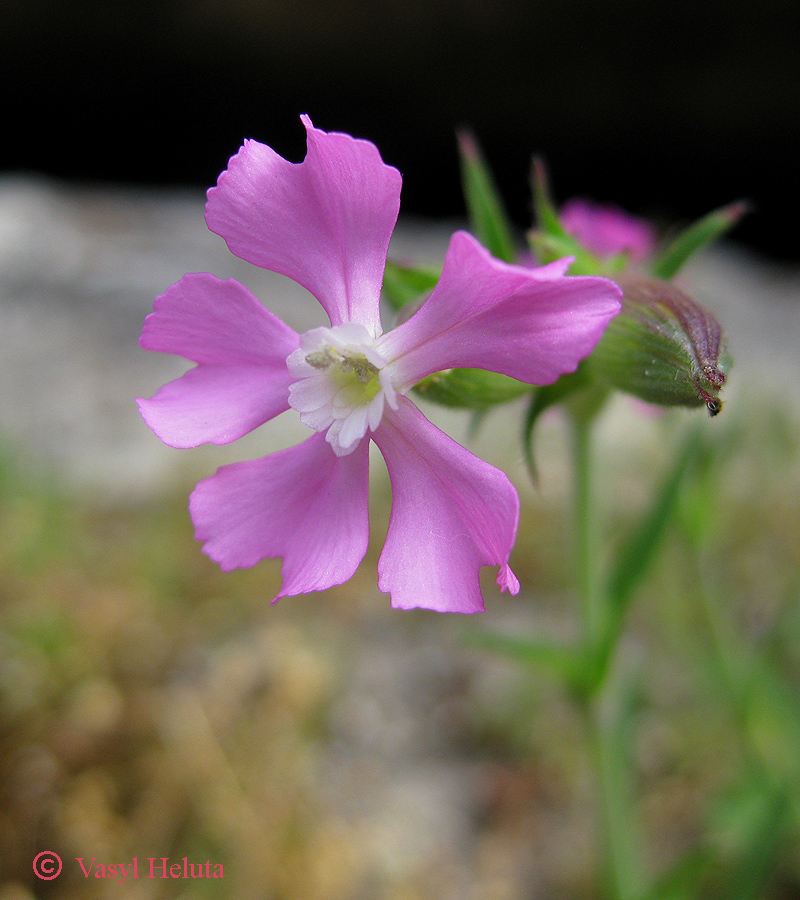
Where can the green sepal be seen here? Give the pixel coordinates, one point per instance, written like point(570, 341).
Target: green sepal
point(470, 388)
point(649, 365)
point(547, 248)
point(550, 241)
point(544, 209)
point(663, 347)
point(403, 285)
point(487, 215)
point(695, 237)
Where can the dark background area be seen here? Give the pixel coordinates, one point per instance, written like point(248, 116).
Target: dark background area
point(666, 108)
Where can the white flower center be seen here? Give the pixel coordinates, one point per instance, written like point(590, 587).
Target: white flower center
point(341, 384)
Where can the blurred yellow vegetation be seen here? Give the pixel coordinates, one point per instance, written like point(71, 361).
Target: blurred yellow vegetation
point(152, 706)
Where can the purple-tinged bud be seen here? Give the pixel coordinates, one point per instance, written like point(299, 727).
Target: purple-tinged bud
point(663, 347)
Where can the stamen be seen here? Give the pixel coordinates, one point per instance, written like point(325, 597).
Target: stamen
point(348, 361)
point(361, 366)
point(320, 359)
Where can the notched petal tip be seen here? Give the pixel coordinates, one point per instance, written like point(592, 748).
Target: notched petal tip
point(452, 514)
point(507, 580)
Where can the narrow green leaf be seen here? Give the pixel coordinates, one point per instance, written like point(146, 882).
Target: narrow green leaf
point(566, 663)
point(762, 833)
point(635, 556)
point(488, 218)
point(770, 705)
point(688, 242)
point(487, 215)
point(683, 881)
point(754, 820)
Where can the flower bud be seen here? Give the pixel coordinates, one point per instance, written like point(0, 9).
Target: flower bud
point(663, 347)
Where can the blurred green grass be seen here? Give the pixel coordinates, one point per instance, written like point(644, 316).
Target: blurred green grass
point(151, 705)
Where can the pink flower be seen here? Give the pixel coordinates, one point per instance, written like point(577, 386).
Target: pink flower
point(326, 223)
point(607, 230)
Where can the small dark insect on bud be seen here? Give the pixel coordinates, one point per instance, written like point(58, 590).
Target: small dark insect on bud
point(663, 347)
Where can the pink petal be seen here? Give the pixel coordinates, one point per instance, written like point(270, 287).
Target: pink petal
point(304, 504)
point(531, 324)
point(241, 380)
point(325, 222)
point(451, 514)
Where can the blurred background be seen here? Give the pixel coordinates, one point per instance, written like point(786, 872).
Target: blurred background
point(328, 748)
point(668, 109)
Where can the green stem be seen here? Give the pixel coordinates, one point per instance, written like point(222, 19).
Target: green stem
point(586, 528)
point(606, 715)
point(608, 721)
